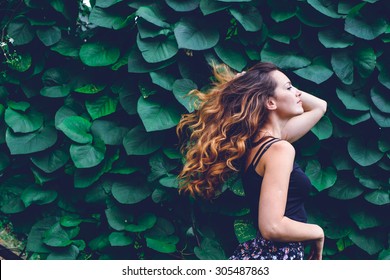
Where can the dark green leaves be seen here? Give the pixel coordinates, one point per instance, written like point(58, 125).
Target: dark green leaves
point(194, 35)
point(364, 151)
point(365, 21)
point(156, 115)
point(77, 129)
point(321, 178)
point(98, 54)
point(31, 142)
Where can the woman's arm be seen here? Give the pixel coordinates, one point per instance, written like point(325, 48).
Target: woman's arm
point(314, 108)
point(273, 225)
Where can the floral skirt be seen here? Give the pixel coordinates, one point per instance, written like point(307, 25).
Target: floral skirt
point(262, 249)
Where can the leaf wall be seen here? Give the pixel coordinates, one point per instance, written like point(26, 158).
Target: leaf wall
point(90, 97)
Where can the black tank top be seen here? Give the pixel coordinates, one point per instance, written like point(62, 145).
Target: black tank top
point(298, 188)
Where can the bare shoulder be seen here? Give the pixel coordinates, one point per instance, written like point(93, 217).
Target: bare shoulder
point(282, 147)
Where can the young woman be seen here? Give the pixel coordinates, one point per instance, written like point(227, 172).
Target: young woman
point(246, 123)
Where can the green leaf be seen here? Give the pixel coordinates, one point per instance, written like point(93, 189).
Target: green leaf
point(120, 239)
point(98, 54)
point(139, 142)
point(18, 106)
point(164, 246)
point(157, 116)
point(170, 181)
point(349, 116)
point(333, 38)
point(132, 191)
point(209, 249)
point(20, 30)
point(117, 218)
point(366, 179)
point(90, 88)
point(379, 197)
point(365, 60)
point(36, 235)
point(137, 64)
point(157, 49)
point(318, 72)
point(344, 190)
point(282, 57)
point(323, 129)
point(231, 54)
point(102, 106)
point(183, 5)
point(282, 10)
point(364, 220)
point(10, 192)
point(162, 228)
point(249, 17)
point(23, 64)
point(89, 155)
point(180, 89)
point(109, 18)
point(195, 35)
point(381, 99)
point(107, 3)
point(212, 6)
point(153, 14)
point(163, 79)
point(99, 243)
point(365, 22)
point(108, 131)
point(148, 30)
point(342, 63)
point(56, 236)
point(31, 142)
point(384, 255)
point(326, 7)
point(38, 196)
point(68, 253)
point(55, 91)
point(4, 162)
point(160, 166)
point(383, 120)
point(319, 177)
point(244, 230)
point(311, 17)
point(23, 122)
point(142, 223)
point(49, 35)
point(364, 150)
point(353, 99)
point(368, 242)
point(77, 129)
point(67, 47)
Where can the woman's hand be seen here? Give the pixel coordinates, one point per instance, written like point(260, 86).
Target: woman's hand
point(316, 249)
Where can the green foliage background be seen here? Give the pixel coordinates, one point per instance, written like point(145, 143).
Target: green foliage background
point(90, 99)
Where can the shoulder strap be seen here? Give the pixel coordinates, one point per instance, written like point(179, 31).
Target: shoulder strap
point(263, 149)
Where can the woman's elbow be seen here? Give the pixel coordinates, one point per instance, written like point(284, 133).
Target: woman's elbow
point(270, 233)
point(323, 106)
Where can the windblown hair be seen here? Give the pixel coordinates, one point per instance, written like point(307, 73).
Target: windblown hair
point(216, 137)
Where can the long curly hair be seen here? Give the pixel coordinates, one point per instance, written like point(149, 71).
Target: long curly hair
point(215, 138)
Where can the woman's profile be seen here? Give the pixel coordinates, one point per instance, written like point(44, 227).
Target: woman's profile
point(246, 123)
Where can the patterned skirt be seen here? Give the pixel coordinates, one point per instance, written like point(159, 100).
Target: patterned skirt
point(262, 249)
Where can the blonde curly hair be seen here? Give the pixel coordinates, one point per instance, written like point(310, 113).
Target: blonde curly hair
point(215, 138)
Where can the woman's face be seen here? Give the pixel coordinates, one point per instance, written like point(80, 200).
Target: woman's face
point(286, 98)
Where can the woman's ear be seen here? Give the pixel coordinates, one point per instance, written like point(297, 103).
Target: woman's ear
point(271, 104)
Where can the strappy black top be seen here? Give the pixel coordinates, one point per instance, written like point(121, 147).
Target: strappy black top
point(298, 188)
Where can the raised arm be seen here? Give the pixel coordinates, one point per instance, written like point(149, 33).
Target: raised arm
point(314, 108)
point(273, 225)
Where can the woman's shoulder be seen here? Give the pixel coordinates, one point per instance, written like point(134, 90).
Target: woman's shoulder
point(283, 148)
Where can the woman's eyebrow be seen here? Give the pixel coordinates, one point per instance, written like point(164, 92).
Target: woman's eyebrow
point(288, 83)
